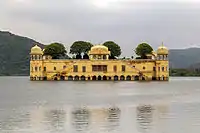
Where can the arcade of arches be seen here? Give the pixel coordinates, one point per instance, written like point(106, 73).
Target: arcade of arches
point(104, 78)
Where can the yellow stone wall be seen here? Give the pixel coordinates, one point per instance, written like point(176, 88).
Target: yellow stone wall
point(143, 66)
point(155, 68)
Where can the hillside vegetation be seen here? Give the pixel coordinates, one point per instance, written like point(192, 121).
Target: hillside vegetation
point(14, 54)
point(184, 58)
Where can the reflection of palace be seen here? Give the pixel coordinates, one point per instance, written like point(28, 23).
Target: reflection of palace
point(81, 119)
point(144, 117)
point(151, 117)
point(55, 119)
point(99, 66)
point(148, 118)
point(96, 119)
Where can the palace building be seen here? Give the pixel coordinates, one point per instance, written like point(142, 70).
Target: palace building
point(99, 66)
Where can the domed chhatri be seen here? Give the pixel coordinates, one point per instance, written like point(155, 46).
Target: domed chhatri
point(162, 50)
point(99, 49)
point(36, 50)
point(100, 67)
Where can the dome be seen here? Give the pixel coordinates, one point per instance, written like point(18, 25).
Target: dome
point(99, 49)
point(162, 50)
point(36, 50)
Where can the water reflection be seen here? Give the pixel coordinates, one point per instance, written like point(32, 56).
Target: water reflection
point(149, 118)
point(113, 118)
point(96, 119)
point(55, 120)
point(144, 117)
point(17, 120)
point(80, 119)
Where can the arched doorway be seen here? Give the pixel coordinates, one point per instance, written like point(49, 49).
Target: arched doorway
point(143, 79)
point(82, 78)
point(76, 78)
point(116, 78)
point(109, 78)
point(55, 78)
point(136, 78)
point(153, 78)
point(70, 78)
point(62, 78)
point(45, 78)
point(128, 78)
point(88, 78)
point(94, 78)
point(104, 78)
point(122, 77)
point(99, 77)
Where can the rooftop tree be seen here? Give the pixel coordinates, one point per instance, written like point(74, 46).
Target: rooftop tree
point(80, 47)
point(113, 48)
point(56, 50)
point(143, 49)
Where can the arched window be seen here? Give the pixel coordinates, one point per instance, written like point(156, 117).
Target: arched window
point(33, 56)
point(116, 78)
point(76, 78)
point(36, 69)
point(104, 77)
point(128, 78)
point(161, 57)
point(99, 77)
point(94, 78)
point(104, 57)
point(45, 69)
point(163, 69)
point(70, 78)
point(122, 77)
point(83, 77)
point(166, 57)
point(54, 68)
point(64, 67)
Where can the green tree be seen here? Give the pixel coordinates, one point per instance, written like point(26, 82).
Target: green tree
point(80, 47)
point(56, 50)
point(143, 49)
point(113, 48)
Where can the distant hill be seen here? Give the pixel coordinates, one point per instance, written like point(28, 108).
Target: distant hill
point(14, 53)
point(184, 58)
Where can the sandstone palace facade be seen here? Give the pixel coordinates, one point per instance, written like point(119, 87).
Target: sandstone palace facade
point(99, 67)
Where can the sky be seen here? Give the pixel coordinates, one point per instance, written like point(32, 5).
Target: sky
point(176, 23)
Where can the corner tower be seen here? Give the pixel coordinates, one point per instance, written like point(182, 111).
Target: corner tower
point(36, 56)
point(162, 63)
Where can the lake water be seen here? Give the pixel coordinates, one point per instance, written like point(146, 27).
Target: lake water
point(99, 107)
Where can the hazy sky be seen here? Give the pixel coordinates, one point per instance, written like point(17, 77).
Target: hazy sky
point(127, 22)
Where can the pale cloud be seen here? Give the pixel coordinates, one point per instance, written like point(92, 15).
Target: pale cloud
point(127, 22)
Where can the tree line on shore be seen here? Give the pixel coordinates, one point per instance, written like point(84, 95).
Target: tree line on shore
point(79, 50)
